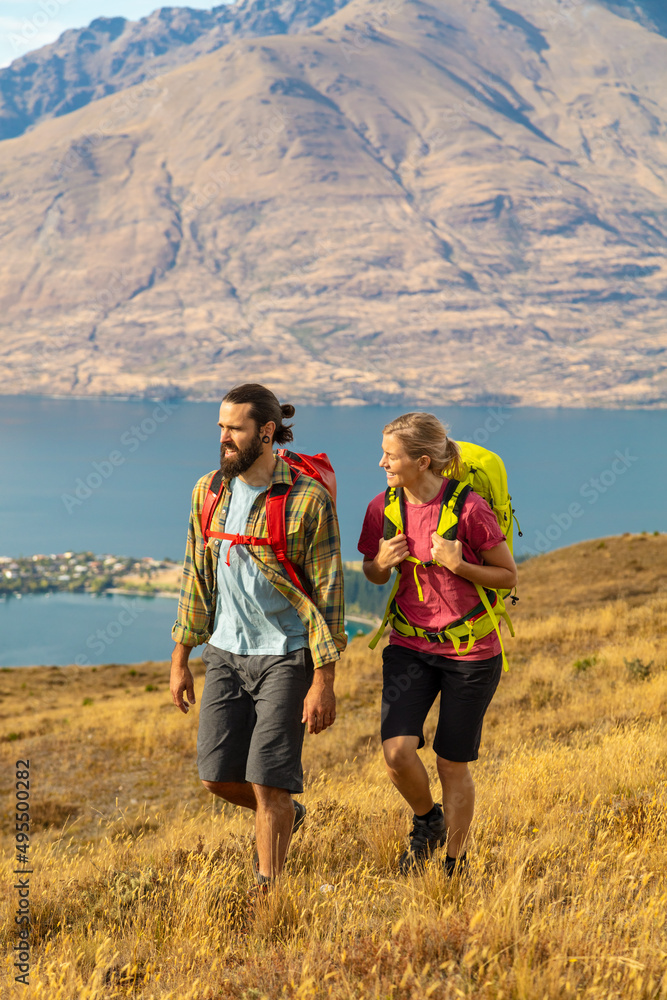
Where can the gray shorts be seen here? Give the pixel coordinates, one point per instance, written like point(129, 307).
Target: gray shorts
point(250, 725)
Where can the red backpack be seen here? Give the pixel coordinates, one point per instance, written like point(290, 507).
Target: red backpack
point(316, 466)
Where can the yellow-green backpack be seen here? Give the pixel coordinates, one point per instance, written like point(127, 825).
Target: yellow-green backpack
point(484, 472)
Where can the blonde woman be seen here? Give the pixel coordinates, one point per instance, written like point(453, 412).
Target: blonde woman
point(437, 587)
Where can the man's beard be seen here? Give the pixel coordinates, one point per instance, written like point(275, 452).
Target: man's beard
point(240, 462)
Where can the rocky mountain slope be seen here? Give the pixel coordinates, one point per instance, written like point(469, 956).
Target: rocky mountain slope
point(113, 53)
point(410, 201)
point(650, 13)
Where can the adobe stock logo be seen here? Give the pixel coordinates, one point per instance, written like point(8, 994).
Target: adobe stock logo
point(130, 440)
point(30, 27)
point(591, 491)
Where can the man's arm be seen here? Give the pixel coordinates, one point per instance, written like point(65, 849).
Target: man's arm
point(194, 611)
point(181, 679)
point(319, 707)
point(323, 570)
point(195, 605)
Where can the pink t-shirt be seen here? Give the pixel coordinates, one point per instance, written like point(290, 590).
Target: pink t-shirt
point(446, 596)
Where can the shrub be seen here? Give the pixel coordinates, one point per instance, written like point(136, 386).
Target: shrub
point(638, 670)
point(581, 666)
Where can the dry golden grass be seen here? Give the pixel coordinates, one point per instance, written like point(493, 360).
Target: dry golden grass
point(140, 877)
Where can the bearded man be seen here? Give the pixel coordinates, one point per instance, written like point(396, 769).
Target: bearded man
point(270, 648)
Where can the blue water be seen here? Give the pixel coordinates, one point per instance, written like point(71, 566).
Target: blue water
point(116, 477)
point(59, 629)
point(139, 506)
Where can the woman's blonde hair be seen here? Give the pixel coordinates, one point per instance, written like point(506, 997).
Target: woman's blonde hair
point(423, 434)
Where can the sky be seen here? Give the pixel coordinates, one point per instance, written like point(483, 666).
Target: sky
point(28, 24)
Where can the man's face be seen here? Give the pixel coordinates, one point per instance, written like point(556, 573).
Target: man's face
point(240, 439)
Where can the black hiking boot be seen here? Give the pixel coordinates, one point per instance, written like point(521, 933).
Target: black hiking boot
point(299, 815)
point(456, 866)
point(426, 837)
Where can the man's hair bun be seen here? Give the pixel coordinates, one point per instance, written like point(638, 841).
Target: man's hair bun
point(287, 410)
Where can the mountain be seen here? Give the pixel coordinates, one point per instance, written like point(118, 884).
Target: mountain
point(650, 13)
point(112, 54)
point(408, 202)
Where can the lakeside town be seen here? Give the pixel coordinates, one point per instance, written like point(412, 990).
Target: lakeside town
point(85, 571)
point(77, 572)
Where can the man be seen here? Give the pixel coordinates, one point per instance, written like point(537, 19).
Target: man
point(271, 650)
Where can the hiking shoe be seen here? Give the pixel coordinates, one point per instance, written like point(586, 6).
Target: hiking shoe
point(456, 866)
point(299, 815)
point(259, 890)
point(426, 837)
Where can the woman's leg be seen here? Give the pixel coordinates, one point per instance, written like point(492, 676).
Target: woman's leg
point(409, 688)
point(467, 689)
point(408, 773)
point(458, 799)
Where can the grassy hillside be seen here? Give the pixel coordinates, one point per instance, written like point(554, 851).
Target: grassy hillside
point(140, 877)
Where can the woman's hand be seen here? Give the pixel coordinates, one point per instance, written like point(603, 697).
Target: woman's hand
point(498, 570)
point(449, 554)
point(392, 551)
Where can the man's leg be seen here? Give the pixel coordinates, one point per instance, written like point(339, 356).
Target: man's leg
point(279, 685)
point(407, 772)
point(226, 719)
point(273, 827)
point(239, 793)
point(458, 799)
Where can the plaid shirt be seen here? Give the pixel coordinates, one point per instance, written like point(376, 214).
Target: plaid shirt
point(313, 546)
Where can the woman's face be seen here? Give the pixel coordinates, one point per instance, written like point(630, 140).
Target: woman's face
point(400, 468)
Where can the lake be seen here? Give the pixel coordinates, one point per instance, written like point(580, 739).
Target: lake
point(59, 629)
point(116, 476)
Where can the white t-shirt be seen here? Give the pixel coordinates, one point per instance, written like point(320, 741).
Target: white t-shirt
point(251, 615)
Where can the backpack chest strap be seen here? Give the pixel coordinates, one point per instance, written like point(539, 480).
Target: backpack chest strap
point(238, 540)
point(454, 497)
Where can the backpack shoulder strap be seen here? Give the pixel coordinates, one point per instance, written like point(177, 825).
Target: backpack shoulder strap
point(454, 497)
point(276, 503)
point(394, 511)
point(210, 503)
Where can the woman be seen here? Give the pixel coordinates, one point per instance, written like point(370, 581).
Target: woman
point(436, 588)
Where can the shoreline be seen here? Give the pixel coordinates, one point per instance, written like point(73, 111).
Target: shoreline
point(139, 593)
point(654, 407)
point(92, 593)
point(363, 620)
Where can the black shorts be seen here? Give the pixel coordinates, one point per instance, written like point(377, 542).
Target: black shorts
point(250, 726)
point(412, 681)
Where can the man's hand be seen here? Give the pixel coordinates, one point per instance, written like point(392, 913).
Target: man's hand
point(181, 678)
point(319, 706)
point(447, 553)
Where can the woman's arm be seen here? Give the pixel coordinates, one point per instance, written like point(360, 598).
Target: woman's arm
point(498, 571)
point(391, 552)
